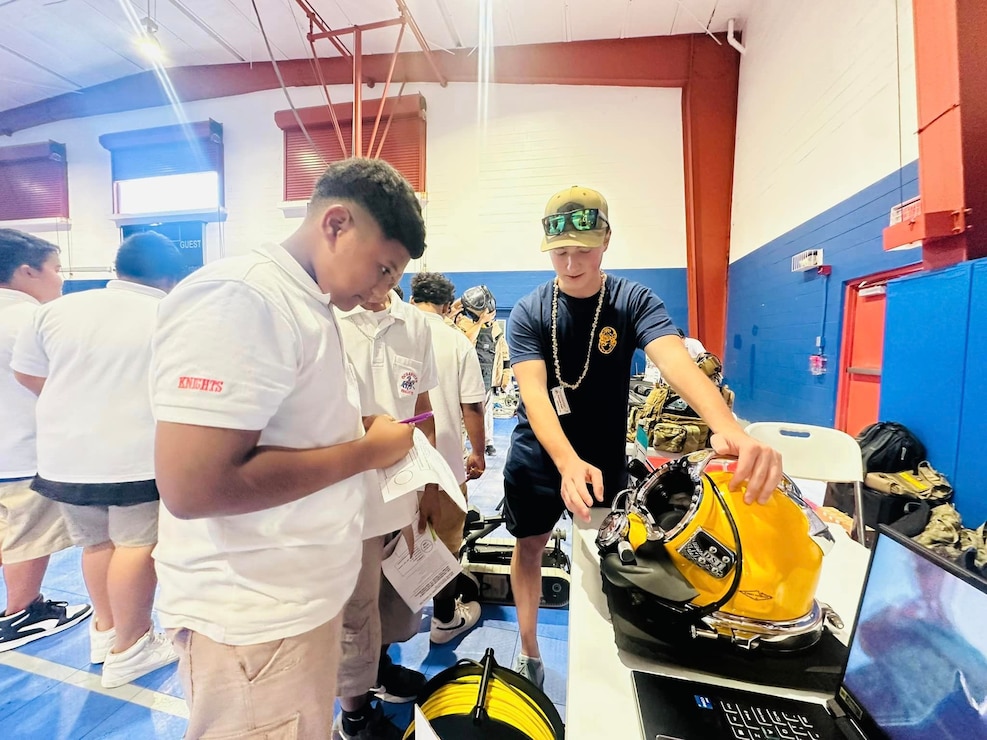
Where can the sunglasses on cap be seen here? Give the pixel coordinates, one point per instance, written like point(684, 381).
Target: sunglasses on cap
point(583, 219)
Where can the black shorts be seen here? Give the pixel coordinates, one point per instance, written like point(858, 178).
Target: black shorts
point(531, 510)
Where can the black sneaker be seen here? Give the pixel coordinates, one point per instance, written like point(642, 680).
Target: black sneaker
point(373, 725)
point(40, 619)
point(397, 684)
point(490, 450)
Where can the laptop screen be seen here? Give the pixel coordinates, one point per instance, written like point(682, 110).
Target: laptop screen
point(918, 657)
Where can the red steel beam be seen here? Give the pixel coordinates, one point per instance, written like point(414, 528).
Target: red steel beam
point(314, 19)
point(709, 125)
point(951, 76)
point(351, 29)
point(660, 61)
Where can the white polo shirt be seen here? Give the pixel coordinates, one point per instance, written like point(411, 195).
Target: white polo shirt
point(391, 353)
point(460, 381)
point(94, 414)
point(251, 343)
point(17, 430)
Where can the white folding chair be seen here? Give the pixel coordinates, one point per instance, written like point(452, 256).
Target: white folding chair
point(817, 453)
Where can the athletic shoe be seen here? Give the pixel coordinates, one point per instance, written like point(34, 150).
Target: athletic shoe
point(41, 619)
point(464, 618)
point(100, 643)
point(532, 669)
point(490, 450)
point(150, 652)
point(397, 684)
point(372, 725)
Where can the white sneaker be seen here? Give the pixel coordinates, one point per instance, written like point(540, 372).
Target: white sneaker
point(150, 652)
point(532, 669)
point(463, 620)
point(100, 643)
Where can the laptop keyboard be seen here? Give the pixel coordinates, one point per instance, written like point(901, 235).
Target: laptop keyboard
point(757, 723)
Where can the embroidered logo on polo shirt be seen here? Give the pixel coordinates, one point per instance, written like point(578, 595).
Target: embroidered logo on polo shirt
point(608, 339)
point(208, 385)
point(409, 381)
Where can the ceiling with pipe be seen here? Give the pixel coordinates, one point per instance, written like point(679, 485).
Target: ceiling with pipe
point(53, 47)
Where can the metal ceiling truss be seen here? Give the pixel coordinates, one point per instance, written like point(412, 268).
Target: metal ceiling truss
point(318, 29)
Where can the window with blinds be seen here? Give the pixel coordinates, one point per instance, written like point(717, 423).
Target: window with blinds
point(168, 168)
point(33, 181)
point(404, 145)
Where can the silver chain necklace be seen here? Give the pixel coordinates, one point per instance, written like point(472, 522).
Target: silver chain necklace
point(592, 333)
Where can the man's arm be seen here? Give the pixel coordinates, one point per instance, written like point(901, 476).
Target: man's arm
point(473, 421)
point(757, 463)
point(207, 471)
point(33, 383)
point(532, 379)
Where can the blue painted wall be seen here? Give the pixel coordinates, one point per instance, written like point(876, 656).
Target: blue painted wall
point(509, 287)
point(774, 315)
point(935, 352)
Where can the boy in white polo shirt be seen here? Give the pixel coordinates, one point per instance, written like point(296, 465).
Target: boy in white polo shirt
point(263, 459)
point(87, 355)
point(388, 344)
point(31, 526)
point(457, 402)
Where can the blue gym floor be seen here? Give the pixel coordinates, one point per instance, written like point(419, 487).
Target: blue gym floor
point(49, 690)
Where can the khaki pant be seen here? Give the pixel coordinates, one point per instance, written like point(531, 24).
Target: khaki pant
point(375, 615)
point(278, 690)
point(31, 526)
point(450, 522)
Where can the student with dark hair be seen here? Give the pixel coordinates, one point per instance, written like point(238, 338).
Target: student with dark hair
point(150, 258)
point(31, 526)
point(87, 355)
point(387, 344)
point(264, 461)
point(457, 402)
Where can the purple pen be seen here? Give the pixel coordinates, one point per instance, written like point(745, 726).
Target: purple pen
point(418, 418)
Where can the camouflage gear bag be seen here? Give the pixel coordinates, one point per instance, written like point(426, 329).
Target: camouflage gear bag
point(670, 423)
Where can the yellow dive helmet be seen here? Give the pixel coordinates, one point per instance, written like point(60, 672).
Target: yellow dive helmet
point(682, 553)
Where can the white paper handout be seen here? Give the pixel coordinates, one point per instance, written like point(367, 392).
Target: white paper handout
point(420, 466)
point(423, 730)
point(418, 577)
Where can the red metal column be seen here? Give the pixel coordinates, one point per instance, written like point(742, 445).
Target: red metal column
point(951, 76)
point(357, 92)
point(709, 122)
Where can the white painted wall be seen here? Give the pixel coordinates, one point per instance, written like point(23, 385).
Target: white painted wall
point(827, 107)
point(487, 185)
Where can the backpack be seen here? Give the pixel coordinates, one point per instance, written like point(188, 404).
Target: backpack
point(889, 447)
point(671, 424)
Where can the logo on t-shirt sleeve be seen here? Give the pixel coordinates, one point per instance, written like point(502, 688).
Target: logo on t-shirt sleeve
point(186, 383)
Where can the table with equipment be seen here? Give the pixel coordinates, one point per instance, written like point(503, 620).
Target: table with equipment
point(601, 701)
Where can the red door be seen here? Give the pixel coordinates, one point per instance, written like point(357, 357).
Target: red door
point(859, 393)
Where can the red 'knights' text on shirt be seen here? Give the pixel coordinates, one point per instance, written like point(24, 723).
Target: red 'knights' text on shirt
point(200, 384)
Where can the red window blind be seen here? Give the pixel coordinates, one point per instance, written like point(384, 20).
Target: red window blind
point(33, 181)
point(404, 146)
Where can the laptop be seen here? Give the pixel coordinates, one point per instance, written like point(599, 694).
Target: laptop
point(916, 669)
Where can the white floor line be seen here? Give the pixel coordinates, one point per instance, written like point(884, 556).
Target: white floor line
point(90, 681)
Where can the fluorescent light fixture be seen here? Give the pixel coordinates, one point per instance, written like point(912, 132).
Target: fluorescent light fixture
point(148, 43)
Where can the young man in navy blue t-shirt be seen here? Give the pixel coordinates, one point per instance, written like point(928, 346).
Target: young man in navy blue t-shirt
point(571, 344)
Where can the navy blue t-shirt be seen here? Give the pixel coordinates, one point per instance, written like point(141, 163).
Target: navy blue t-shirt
point(632, 316)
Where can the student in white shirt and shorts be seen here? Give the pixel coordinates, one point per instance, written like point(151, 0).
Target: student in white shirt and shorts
point(264, 459)
point(87, 355)
point(389, 346)
point(31, 526)
point(458, 402)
